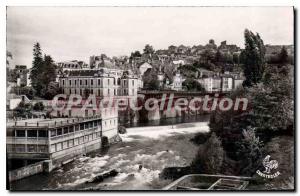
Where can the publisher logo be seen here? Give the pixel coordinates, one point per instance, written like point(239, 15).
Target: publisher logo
point(269, 166)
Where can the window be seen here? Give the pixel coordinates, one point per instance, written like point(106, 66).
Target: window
point(76, 127)
point(76, 141)
point(99, 82)
point(20, 148)
point(75, 82)
point(65, 144)
point(95, 123)
point(59, 131)
point(81, 140)
point(31, 148)
point(114, 81)
point(80, 82)
point(86, 82)
point(59, 146)
point(63, 82)
point(42, 148)
point(71, 129)
point(10, 147)
point(132, 82)
point(53, 147)
point(53, 133)
point(81, 126)
point(119, 81)
point(10, 133)
point(31, 133)
point(108, 82)
point(70, 82)
point(20, 133)
point(43, 133)
point(92, 82)
point(90, 124)
point(66, 130)
point(71, 143)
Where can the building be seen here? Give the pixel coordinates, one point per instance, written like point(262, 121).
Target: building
point(102, 82)
point(221, 82)
point(72, 65)
point(57, 140)
point(177, 82)
point(101, 61)
point(22, 75)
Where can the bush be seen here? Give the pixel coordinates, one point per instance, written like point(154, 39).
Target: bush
point(39, 106)
point(23, 110)
point(192, 85)
point(201, 138)
point(122, 130)
point(209, 159)
point(250, 152)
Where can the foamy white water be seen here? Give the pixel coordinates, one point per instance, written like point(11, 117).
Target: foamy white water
point(156, 132)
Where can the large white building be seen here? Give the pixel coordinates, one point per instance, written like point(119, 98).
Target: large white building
point(101, 82)
point(221, 82)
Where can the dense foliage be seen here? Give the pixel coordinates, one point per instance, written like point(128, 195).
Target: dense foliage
point(43, 72)
point(209, 158)
point(253, 58)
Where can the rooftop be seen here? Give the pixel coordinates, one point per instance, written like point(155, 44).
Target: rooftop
point(47, 122)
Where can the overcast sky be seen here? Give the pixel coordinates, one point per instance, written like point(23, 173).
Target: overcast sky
point(68, 33)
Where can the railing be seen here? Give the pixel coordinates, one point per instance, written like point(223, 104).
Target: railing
point(207, 181)
point(53, 123)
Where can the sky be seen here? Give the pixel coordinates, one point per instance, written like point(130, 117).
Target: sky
point(69, 33)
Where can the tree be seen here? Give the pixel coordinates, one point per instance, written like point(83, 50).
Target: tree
point(283, 56)
point(270, 112)
point(209, 159)
point(192, 85)
point(52, 90)
point(136, 54)
point(250, 152)
point(208, 55)
point(43, 71)
point(23, 110)
point(150, 80)
point(39, 106)
point(253, 58)
point(149, 50)
point(8, 55)
point(37, 65)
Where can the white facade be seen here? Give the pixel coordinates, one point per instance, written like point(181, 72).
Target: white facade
point(102, 83)
point(227, 84)
point(177, 82)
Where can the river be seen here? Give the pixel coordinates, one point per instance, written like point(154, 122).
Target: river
point(143, 153)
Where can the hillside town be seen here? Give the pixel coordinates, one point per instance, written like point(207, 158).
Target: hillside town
point(209, 116)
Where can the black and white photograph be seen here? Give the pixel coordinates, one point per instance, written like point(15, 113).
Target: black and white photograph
point(117, 98)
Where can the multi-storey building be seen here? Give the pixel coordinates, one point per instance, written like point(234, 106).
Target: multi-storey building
point(56, 140)
point(100, 82)
point(221, 82)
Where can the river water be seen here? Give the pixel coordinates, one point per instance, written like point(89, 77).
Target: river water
point(141, 156)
